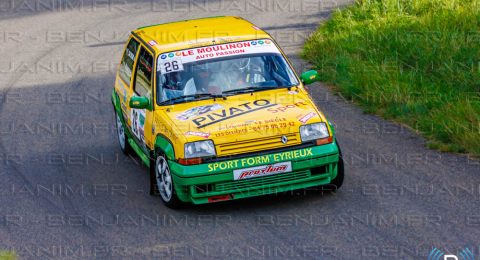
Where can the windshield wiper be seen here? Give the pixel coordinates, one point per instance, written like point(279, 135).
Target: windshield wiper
point(195, 96)
point(252, 89)
point(246, 90)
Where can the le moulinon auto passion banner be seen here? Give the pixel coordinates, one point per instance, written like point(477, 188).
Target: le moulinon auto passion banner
point(216, 51)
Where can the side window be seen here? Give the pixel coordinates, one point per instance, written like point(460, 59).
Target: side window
point(143, 77)
point(126, 66)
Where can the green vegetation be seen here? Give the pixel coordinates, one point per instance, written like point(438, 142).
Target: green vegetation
point(5, 255)
point(413, 61)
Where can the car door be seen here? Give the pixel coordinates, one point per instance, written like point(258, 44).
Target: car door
point(124, 78)
point(142, 84)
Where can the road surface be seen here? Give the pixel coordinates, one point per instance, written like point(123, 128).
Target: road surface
point(67, 191)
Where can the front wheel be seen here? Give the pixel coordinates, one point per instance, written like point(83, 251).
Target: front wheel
point(122, 136)
point(161, 182)
point(338, 181)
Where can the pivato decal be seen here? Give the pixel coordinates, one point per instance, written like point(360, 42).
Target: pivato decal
point(224, 114)
point(196, 111)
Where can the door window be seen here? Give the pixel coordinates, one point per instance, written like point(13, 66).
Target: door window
point(126, 65)
point(143, 78)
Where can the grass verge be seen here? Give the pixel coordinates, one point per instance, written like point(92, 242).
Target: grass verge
point(6, 255)
point(413, 61)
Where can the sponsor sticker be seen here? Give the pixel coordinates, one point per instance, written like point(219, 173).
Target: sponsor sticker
point(200, 134)
point(283, 108)
point(231, 112)
point(306, 117)
point(130, 54)
point(152, 43)
point(171, 65)
point(263, 170)
point(196, 111)
point(138, 123)
point(262, 160)
point(221, 50)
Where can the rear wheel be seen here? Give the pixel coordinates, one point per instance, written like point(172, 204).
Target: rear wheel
point(122, 136)
point(161, 182)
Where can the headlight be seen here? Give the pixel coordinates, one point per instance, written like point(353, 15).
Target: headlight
point(313, 132)
point(200, 149)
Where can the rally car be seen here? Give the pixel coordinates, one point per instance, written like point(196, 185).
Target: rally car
point(215, 110)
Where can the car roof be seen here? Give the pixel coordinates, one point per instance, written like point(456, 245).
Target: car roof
point(199, 32)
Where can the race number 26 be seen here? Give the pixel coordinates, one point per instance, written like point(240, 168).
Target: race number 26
point(171, 66)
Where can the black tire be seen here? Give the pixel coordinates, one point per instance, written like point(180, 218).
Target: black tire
point(121, 132)
point(161, 182)
point(338, 181)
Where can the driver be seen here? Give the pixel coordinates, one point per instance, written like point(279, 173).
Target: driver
point(172, 86)
point(173, 80)
point(204, 80)
point(237, 79)
point(236, 73)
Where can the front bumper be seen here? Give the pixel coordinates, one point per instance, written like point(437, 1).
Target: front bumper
point(211, 182)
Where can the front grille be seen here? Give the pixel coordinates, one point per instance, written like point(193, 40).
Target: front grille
point(259, 144)
point(261, 181)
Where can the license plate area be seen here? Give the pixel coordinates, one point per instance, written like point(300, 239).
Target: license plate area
point(262, 170)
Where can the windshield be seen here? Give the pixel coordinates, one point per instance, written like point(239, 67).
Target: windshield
point(217, 70)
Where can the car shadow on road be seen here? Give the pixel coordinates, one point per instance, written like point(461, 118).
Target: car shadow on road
point(265, 202)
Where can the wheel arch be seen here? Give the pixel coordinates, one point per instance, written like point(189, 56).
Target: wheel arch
point(116, 102)
point(163, 144)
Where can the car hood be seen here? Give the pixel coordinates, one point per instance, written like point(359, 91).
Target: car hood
point(247, 117)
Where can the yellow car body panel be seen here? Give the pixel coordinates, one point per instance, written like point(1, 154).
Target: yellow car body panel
point(199, 32)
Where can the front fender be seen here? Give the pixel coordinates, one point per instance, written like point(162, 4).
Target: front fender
point(162, 143)
point(116, 102)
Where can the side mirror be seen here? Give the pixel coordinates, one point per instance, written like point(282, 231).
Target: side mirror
point(308, 77)
point(139, 102)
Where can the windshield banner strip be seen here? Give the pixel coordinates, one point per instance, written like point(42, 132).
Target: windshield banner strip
point(218, 51)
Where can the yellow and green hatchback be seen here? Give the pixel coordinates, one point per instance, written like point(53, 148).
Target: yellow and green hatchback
point(215, 110)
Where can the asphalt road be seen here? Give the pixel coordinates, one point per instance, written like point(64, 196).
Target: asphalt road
point(67, 191)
